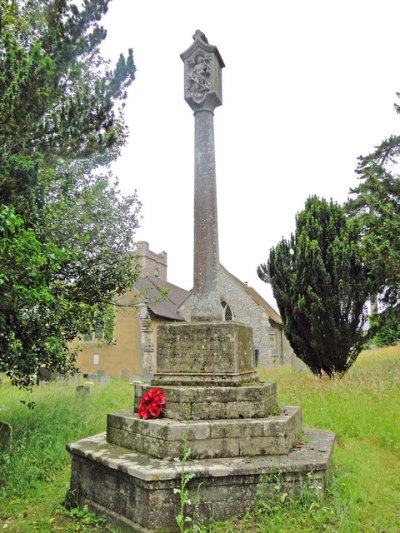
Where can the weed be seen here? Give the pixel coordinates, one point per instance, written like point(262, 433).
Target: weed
point(184, 496)
point(83, 517)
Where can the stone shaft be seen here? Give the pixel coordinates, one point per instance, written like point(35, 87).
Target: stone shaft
point(206, 294)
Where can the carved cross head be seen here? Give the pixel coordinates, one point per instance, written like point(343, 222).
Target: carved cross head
point(203, 66)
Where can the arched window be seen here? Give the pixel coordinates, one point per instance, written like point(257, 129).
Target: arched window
point(228, 315)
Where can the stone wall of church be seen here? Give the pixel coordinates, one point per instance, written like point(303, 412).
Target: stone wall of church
point(244, 309)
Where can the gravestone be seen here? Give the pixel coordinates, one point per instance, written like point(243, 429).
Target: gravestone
point(83, 390)
point(44, 374)
point(5, 436)
point(125, 374)
point(241, 441)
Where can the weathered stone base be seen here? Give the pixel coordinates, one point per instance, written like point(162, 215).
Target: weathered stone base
point(138, 491)
point(210, 403)
point(164, 438)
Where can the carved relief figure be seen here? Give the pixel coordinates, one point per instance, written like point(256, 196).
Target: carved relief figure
point(200, 77)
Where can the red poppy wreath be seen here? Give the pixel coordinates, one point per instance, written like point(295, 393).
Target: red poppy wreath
point(152, 403)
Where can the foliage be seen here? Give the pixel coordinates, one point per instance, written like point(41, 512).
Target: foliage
point(387, 327)
point(84, 517)
point(27, 298)
point(58, 95)
point(319, 282)
point(374, 206)
point(61, 125)
point(184, 496)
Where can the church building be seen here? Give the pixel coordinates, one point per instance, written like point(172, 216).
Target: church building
point(154, 300)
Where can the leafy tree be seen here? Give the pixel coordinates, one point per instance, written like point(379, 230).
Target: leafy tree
point(319, 282)
point(374, 206)
point(27, 299)
point(61, 125)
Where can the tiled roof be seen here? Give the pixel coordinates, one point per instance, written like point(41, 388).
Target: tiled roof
point(162, 298)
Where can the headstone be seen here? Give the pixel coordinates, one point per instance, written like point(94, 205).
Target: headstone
point(5, 436)
point(44, 374)
point(148, 376)
point(240, 439)
point(125, 374)
point(83, 390)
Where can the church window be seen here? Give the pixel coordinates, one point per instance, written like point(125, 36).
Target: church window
point(256, 356)
point(228, 315)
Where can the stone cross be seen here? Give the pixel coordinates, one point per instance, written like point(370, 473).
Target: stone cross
point(203, 92)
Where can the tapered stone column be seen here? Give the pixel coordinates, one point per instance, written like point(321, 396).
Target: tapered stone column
point(203, 93)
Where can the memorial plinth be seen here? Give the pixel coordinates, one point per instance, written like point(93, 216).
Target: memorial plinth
point(243, 444)
point(204, 353)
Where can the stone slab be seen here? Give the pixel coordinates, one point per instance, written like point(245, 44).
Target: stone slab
point(204, 403)
point(138, 491)
point(209, 353)
point(164, 438)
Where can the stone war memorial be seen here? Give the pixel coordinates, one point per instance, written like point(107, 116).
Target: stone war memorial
point(241, 441)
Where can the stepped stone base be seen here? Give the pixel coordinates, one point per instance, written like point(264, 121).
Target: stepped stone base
point(163, 438)
point(243, 447)
point(137, 491)
point(210, 403)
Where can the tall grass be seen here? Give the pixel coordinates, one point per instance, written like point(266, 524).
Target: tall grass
point(363, 404)
point(40, 434)
point(362, 408)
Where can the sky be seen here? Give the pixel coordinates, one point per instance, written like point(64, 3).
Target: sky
point(308, 87)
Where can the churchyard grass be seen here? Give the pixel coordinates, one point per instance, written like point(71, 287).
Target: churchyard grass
point(362, 408)
point(34, 476)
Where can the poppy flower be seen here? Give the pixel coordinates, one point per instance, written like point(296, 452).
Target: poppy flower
point(151, 404)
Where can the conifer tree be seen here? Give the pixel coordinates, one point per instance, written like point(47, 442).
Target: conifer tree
point(374, 205)
point(319, 281)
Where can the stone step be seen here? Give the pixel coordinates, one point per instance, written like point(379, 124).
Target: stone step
point(207, 403)
point(165, 439)
point(137, 491)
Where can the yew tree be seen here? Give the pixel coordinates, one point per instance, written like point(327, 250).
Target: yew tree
point(319, 281)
